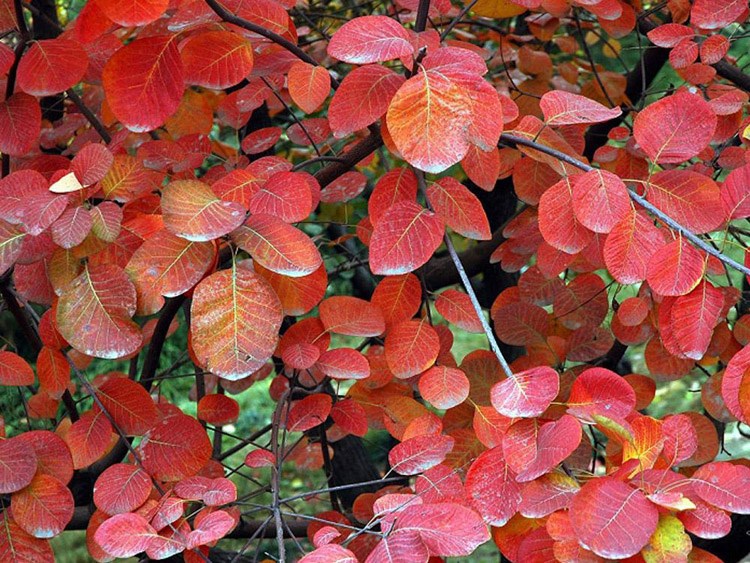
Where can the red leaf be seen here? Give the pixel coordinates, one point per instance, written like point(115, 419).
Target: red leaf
point(176, 448)
point(16, 545)
point(351, 316)
point(692, 199)
point(520, 323)
point(130, 13)
point(735, 382)
point(362, 98)
point(694, 317)
point(308, 85)
point(447, 529)
point(724, 485)
point(261, 140)
point(216, 59)
point(460, 209)
point(260, 458)
point(370, 39)
point(308, 413)
point(675, 269)
point(600, 200)
point(330, 553)
point(125, 535)
point(397, 185)
point(143, 82)
point(52, 454)
point(411, 347)
point(298, 295)
point(235, 322)
point(398, 297)
point(735, 193)
point(551, 492)
point(527, 394)
point(557, 221)
point(344, 363)
point(88, 438)
point(492, 487)
point(54, 372)
point(72, 227)
point(20, 124)
point(404, 239)
point(213, 492)
point(94, 313)
point(420, 453)
point(554, 443)
point(599, 391)
point(14, 370)
point(285, 195)
point(564, 108)
point(707, 14)
point(17, 465)
point(129, 404)
point(44, 508)
point(350, 416)
point(630, 246)
point(669, 35)
point(444, 387)
point(51, 66)
point(612, 519)
point(11, 239)
point(218, 409)
point(278, 246)
point(121, 488)
point(675, 128)
point(192, 211)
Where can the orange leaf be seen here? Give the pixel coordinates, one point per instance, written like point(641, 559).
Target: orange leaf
point(216, 59)
point(308, 85)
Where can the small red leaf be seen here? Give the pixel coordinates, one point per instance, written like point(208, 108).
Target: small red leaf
point(125, 535)
point(370, 39)
point(44, 508)
point(444, 387)
point(20, 124)
point(309, 412)
point(121, 488)
point(14, 370)
point(564, 108)
point(175, 448)
point(17, 465)
point(527, 394)
point(420, 453)
point(351, 316)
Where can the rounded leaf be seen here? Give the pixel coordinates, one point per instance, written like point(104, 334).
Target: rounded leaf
point(370, 39)
point(216, 59)
point(17, 465)
point(444, 387)
point(121, 488)
point(43, 508)
point(527, 394)
point(176, 448)
point(51, 66)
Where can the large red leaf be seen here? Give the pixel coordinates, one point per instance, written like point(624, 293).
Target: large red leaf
point(691, 199)
point(192, 211)
point(51, 66)
point(52, 454)
point(600, 200)
point(121, 488)
point(278, 246)
point(370, 39)
point(411, 347)
point(362, 98)
point(599, 391)
point(447, 529)
point(694, 317)
point(94, 313)
point(350, 416)
point(404, 239)
point(460, 209)
point(216, 59)
point(17, 465)
point(420, 453)
point(17, 546)
point(557, 221)
point(397, 185)
point(176, 448)
point(612, 519)
point(398, 297)
point(14, 370)
point(724, 485)
point(286, 195)
point(235, 322)
point(166, 265)
point(492, 487)
point(131, 13)
point(129, 405)
point(399, 547)
point(44, 508)
point(444, 387)
point(351, 316)
point(565, 108)
point(527, 394)
point(20, 124)
point(554, 443)
point(88, 438)
point(675, 269)
point(675, 128)
point(143, 82)
point(125, 535)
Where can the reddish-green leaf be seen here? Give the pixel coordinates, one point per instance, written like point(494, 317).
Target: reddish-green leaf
point(362, 98)
point(404, 239)
point(11, 239)
point(177, 447)
point(370, 39)
point(411, 347)
point(51, 66)
point(44, 508)
point(94, 313)
point(527, 394)
point(143, 82)
point(216, 59)
point(675, 128)
point(612, 519)
point(564, 108)
point(121, 488)
point(192, 211)
point(235, 322)
point(278, 246)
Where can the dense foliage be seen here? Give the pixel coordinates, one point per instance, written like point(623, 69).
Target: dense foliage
point(319, 197)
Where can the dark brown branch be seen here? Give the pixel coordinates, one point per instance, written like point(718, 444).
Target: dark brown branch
point(151, 361)
point(89, 115)
point(358, 152)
